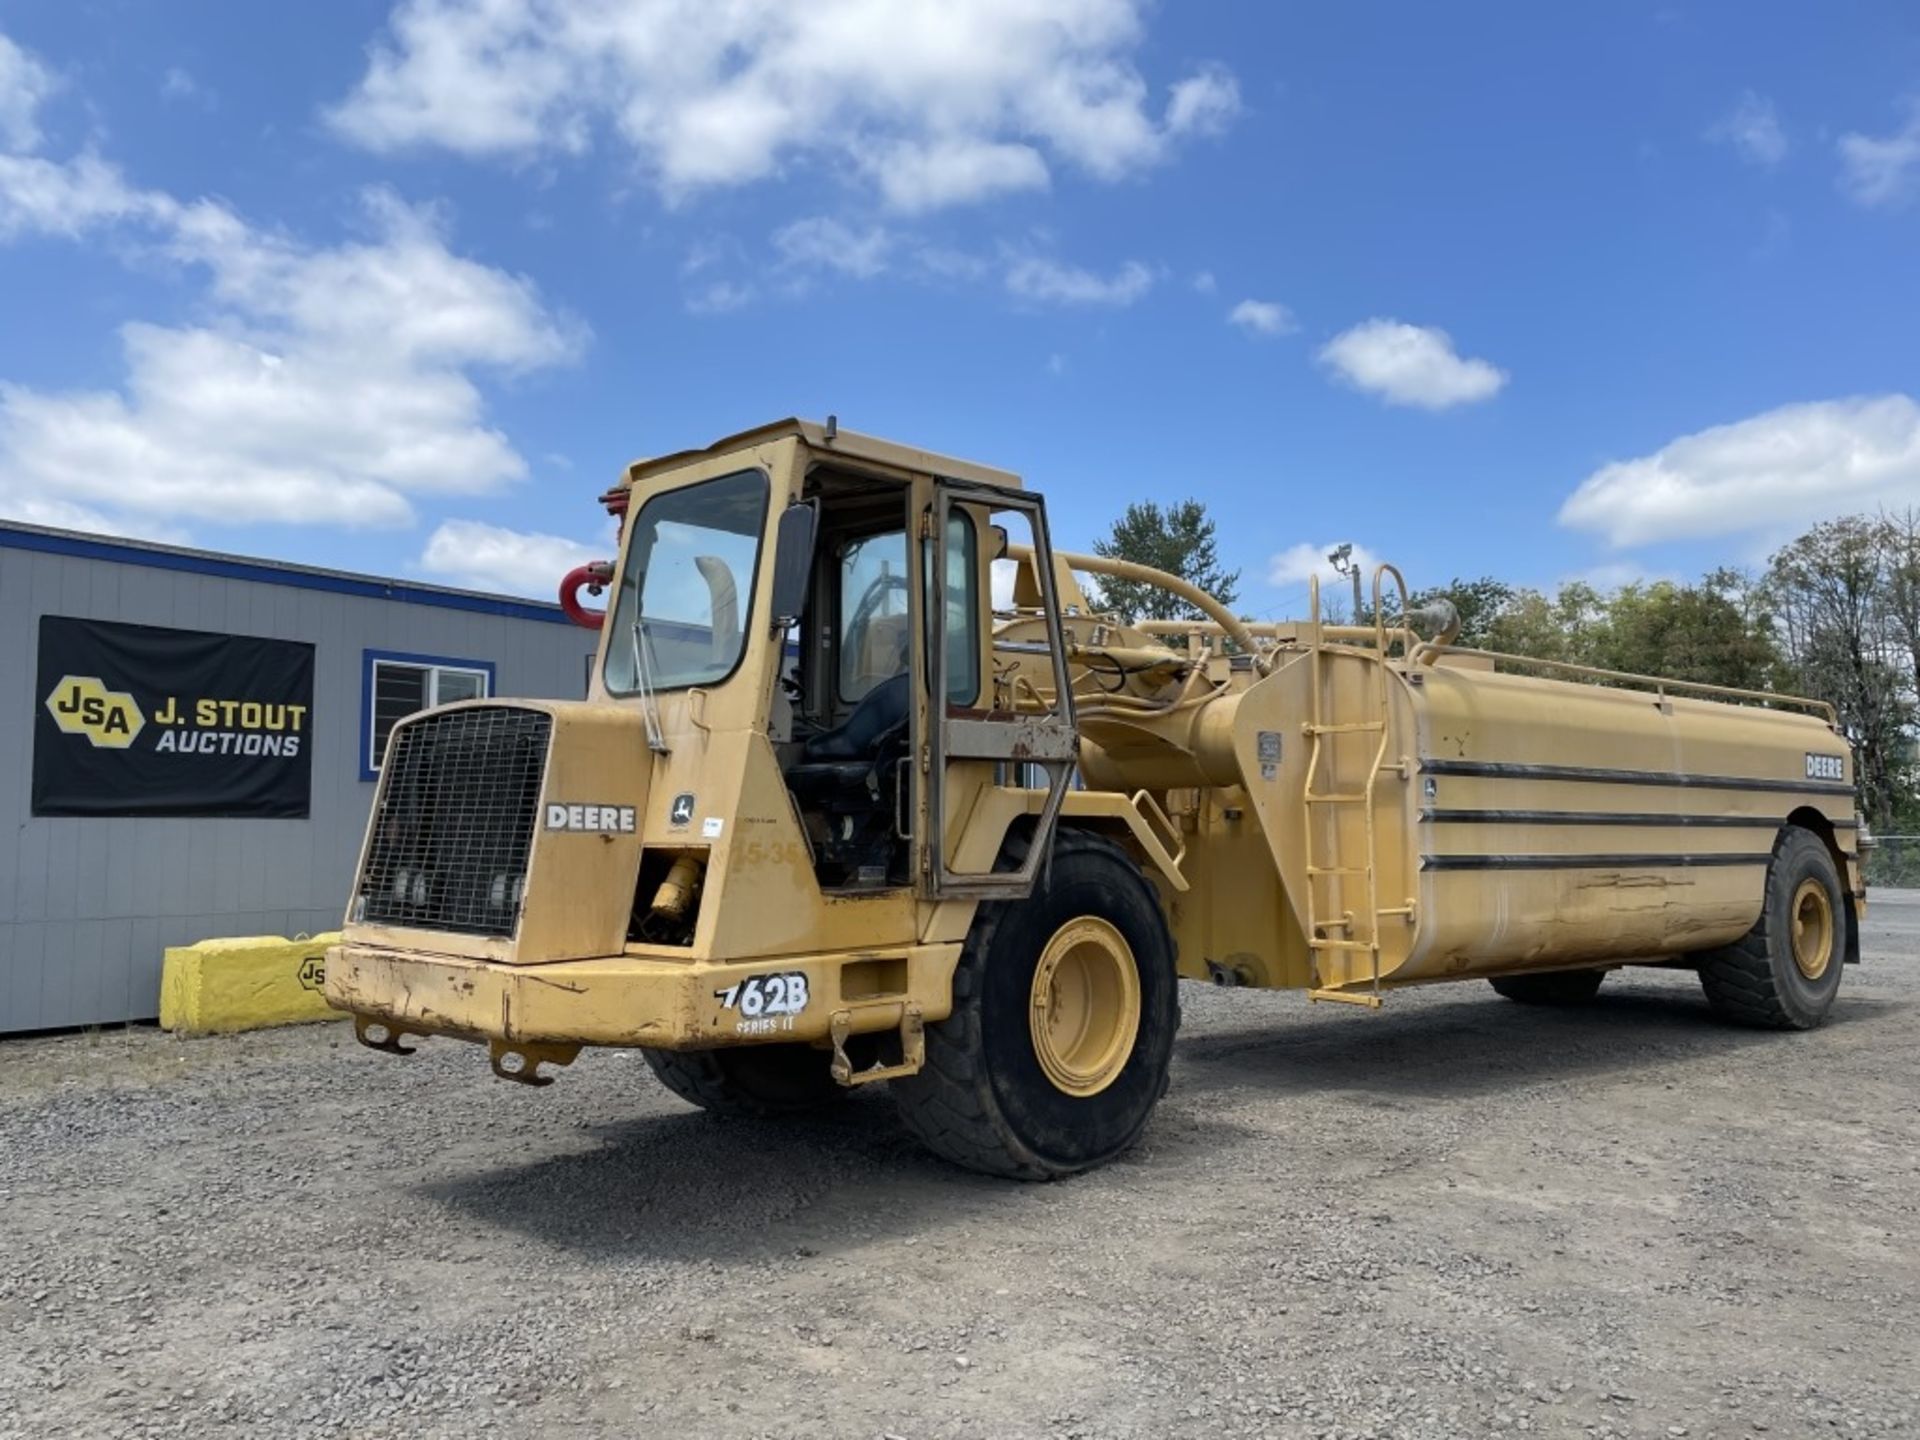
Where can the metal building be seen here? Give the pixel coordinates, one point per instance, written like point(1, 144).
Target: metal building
point(188, 743)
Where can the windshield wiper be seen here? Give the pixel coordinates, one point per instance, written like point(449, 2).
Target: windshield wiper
point(643, 681)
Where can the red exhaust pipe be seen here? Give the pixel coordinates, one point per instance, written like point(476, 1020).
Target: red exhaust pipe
point(595, 577)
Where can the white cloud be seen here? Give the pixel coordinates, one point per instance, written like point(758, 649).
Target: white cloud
point(1262, 317)
point(1293, 565)
point(1204, 103)
point(935, 102)
point(1785, 468)
point(1204, 282)
point(179, 84)
point(1753, 128)
point(321, 384)
point(67, 199)
point(1883, 171)
point(489, 557)
point(720, 297)
point(1409, 365)
point(915, 177)
point(25, 84)
point(1033, 277)
point(820, 243)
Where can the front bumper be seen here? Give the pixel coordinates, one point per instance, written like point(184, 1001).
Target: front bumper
point(624, 1000)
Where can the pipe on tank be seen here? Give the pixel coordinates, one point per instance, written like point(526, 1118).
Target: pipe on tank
point(1235, 628)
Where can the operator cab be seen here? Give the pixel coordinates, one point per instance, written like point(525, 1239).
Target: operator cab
point(840, 586)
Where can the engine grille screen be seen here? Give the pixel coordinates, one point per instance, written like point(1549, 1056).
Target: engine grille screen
point(458, 805)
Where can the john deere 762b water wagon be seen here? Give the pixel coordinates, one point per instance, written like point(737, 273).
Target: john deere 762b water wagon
point(832, 815)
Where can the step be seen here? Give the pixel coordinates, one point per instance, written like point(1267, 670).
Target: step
point(1353, 727)
point(1349, 997)
point(1326, 944)
point(1339, 869)
point(1336, 799)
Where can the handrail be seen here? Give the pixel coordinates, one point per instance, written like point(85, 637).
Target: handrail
point(1660, 685)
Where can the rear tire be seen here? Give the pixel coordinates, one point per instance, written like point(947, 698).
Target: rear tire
point(1786, 971)
point(1065, 1006)
point(1559, 987)
point(757, 1080)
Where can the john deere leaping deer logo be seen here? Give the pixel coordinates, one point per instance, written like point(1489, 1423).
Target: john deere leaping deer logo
point(83, 705)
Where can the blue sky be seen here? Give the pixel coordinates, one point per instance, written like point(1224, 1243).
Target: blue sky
point(1524, 289)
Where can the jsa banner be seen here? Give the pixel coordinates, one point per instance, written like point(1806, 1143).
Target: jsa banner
point(140, 720)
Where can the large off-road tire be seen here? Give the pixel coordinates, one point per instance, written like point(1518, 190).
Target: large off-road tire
point(1558, 987)
point(1064, 1011)
point(1785, 973)
point(759, 1080)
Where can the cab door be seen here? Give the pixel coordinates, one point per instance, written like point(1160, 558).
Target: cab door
point(971, 732)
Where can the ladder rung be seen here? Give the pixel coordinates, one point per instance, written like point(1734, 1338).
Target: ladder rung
point(1325, 944)
point(1339, 870)
point(1341, 799)
point(1349, 728)
point(1348, 997)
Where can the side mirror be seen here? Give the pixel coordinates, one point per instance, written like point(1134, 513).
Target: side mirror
point(999, 542)
point(793, 561)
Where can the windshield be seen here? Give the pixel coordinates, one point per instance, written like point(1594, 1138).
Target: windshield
point(686, 595)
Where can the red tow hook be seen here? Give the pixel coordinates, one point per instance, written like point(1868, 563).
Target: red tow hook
point(595, 578)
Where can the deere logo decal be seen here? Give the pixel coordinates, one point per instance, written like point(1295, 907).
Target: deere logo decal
point(82, 705)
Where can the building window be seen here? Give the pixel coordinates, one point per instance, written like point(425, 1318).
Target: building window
point(395, 686)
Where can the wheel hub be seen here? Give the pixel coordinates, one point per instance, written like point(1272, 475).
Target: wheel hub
point(1813, 929)
point(1085, 1011)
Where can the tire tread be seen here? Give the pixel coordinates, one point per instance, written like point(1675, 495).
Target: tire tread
point(949, 1106)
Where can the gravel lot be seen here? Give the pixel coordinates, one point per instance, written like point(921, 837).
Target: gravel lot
point(1457, 1217)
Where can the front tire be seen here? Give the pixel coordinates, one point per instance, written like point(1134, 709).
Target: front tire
point(765, 1081)
point(1785, 973)
point(1558, 987)
point(1065, 1007)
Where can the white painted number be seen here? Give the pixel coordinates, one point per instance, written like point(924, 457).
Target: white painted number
point(761, 995)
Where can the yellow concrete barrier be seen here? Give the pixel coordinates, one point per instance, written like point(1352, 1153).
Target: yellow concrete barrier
point(245, 982)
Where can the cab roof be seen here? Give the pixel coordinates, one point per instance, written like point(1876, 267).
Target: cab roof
point(824, 441)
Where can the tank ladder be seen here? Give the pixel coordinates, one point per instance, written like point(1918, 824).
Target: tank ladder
point(1333, 928)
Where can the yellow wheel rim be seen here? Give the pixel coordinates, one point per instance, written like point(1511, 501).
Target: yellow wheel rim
point(1086, 1006)
point(1812, 929)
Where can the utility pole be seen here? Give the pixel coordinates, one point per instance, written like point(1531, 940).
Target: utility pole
point(1341, 558)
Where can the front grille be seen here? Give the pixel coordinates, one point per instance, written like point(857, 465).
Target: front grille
point(458, 804)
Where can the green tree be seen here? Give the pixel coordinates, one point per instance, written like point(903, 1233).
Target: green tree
point(1568, 626)
point(1179, 540)
point(1832, 587)
point(1480, 603)
point(1712, 633)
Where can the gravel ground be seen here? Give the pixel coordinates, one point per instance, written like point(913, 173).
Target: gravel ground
point(1458, 1217)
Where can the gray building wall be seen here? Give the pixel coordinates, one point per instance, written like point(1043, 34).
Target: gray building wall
point(88, 905)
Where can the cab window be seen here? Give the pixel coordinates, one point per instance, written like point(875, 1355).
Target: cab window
point(873, 634)
point(873, 637)
point(962, 611)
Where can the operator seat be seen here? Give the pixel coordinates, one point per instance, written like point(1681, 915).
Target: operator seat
point(856, 740)
point(847, 784)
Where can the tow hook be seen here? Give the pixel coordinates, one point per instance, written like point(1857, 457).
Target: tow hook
point(913, 1048)
point(382, 1036)
point(520, 1061)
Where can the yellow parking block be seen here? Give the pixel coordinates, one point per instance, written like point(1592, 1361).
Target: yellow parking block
point(245, 982)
